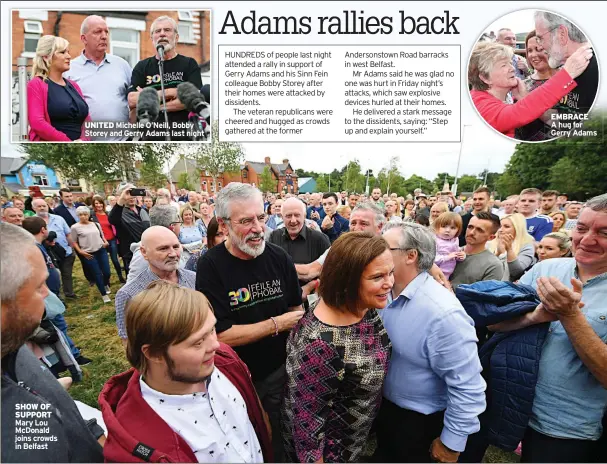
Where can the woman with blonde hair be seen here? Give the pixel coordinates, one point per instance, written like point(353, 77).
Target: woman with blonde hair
point(492, 78)
point(554, 245)
point(514, 246)
point(56, 108)
point(559, 219)
point(191, 235)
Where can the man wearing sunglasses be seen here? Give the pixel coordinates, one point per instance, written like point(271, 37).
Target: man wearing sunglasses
point(254, 291)
point(560, 39)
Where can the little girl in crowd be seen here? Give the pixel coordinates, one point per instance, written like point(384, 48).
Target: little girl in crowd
point(447, 228)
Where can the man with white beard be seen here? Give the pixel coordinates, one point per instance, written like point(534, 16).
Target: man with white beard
point(160, 247)
point(560, 39)
point(254, 291)
point(177, 69)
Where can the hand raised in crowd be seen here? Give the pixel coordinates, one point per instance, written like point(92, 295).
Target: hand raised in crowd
point(287, 320)
point(506, 240)
point(521, 64)
point(577, 63)
point(520, 91)
point(327, 223)
point(440, 453)
point(124, 197)
point(558, 299)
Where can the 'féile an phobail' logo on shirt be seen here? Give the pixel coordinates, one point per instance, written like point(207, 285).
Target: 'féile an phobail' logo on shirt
point(255, 293)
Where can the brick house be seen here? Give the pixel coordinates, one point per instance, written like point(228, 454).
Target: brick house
point(250, 173)
point(129, 37)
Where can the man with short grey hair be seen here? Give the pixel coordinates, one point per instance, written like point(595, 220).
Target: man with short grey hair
point(146, 73)
point(103, 78)
point(26, 382)
point(560, 39)
point(570, 398)
point(434, 391)
point(254, 291)
point(505, 36)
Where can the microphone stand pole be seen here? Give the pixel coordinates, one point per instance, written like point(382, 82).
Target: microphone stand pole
point(164, 101)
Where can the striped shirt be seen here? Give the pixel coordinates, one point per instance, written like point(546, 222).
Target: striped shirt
point(186, 279)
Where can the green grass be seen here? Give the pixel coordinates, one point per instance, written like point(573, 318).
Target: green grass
point(92, 326)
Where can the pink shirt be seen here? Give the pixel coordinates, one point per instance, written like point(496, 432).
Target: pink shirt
point(505, 118)
point(37, 113)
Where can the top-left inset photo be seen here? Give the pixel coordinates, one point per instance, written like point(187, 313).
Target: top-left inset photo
point(111, 76)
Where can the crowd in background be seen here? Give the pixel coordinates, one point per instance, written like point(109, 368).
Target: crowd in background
point(323, 320)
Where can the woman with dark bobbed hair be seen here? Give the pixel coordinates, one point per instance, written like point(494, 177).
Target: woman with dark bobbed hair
point(338, 353)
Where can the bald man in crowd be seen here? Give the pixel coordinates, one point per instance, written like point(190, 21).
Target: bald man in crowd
point(160, 247)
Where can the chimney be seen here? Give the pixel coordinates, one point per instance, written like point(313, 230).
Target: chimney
point(267, 160)
point(285, 161)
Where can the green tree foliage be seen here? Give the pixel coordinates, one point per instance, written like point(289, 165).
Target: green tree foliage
point(218, 157)
point(267, 181)
point(96, 162)
point(322, 183)
point(415, 182)
point(184, 181)
point(151, 175)
point(575, 165)
point(353, 180)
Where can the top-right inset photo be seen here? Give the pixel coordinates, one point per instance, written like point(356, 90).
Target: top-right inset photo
point(533, 75)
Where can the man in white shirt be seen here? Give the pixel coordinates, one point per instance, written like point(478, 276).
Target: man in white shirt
point(190, 398)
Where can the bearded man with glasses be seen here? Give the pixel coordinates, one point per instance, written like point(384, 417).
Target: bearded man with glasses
point(560, 39)
point(253, 288)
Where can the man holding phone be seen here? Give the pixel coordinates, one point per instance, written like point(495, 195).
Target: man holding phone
point(333, 225)
point(129, 219)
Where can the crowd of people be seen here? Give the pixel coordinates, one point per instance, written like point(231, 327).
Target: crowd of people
point(297, 328)
point(523, 98)
point(64, 93)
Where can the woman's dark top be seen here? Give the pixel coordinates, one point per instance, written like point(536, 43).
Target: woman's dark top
point(66, 109)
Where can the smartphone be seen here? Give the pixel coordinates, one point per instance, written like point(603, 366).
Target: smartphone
point(137, 192)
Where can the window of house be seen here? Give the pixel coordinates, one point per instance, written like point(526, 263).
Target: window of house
point(125, 44)
point(40, 180)
point(185, 27)
point(244, 174)
point(32, 33)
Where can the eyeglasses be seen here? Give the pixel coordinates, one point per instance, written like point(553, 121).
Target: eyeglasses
point(175, 222)
point(246, 222)
point(540, 37)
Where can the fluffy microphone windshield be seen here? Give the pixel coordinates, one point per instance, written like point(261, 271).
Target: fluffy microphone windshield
point(191, 97)
point(148, 105)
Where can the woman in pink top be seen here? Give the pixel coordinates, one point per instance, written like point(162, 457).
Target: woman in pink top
point(56, 107)
point(491, 76)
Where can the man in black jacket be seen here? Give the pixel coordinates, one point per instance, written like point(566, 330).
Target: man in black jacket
point(130, 222)
point(55, 432)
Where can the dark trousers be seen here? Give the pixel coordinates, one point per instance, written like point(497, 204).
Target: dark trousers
point(404, 435)
point(271, 391)
point(126, 259)
point(538, 447)
point(99, 268)
point(113, 251)
point(67, 269)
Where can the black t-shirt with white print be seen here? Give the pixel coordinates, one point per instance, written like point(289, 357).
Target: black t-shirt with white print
point(177, 70)
point(248, 292)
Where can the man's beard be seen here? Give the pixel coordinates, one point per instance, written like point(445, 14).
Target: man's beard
point(168, 46)
point(243, 246)
point(178, 377)
point(42, 214)
point(166, 266)
point(555, 56)
point(16, 332)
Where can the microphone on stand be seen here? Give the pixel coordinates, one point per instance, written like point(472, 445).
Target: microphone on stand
point(160, 50)
point(148, 108)
point(194, 102)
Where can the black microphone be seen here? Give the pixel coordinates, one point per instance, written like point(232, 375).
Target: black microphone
point(193, 100)
point(160, 50)
point(148, 105)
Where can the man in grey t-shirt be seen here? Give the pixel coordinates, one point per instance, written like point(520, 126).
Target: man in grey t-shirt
point(480, 263)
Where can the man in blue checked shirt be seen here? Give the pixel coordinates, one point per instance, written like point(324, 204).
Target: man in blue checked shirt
point(434, 392)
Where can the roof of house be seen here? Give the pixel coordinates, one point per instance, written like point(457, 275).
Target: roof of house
point(9, 166)
point(306, 185)
point(178, 168)
point(279, 169)
point(12, 186)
